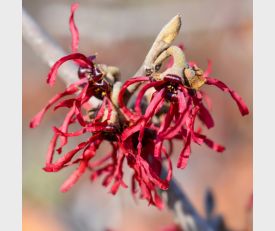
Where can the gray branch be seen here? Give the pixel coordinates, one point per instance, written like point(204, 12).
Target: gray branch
point(46, 48)
point(185, 213)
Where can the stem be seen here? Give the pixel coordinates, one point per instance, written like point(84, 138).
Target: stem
point(164, 39)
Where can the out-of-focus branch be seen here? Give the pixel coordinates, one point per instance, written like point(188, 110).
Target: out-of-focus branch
point(49, 51)
point(185, 214)
point(46, 48)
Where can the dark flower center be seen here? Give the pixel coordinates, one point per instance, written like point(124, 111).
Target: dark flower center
point(100, 88)
point(110, 133)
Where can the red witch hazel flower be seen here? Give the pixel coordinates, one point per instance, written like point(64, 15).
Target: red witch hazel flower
point(165, 109)
point(105, 123)
point(93, 81)
point(173, 103)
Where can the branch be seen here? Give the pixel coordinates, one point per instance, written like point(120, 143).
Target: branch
point(185, 214)
point(162, 42)
point(46, 48)
point(49, 51)
point(164, 39)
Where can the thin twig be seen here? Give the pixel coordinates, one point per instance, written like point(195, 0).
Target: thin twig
point(49, 51)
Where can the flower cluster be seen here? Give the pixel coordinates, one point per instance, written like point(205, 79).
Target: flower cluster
point(175, 103)
point(166, 107)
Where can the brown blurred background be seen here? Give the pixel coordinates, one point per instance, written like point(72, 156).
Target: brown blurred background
point(122, 32)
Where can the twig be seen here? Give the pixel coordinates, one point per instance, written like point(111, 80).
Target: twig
point(46, 48)
point(49, 51)
point(164, 39)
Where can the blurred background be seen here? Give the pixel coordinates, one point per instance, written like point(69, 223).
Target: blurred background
point(121, 32)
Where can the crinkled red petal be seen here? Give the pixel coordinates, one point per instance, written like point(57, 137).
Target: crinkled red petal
point(241, 104)
point(210, 143)
point(64, 103)
point(75, 56)
point(142, 92)
point(64, 129)
point(38, 117)
point(100, 161)
point(155, 104)
point(69, 134)
point(101, 110)
point(73, 28)
point(213, 145)
point(170, 167)
point(59, 164)
point(131, 130)
point(152, 108)
point(208, 70)
point(185, 153)
point(121, 103)
point(163, 127)
point(184, 113)
point(51, 149)
point(205, 116)
point(109, 108)
point(152, 176)
point(70, 182)
point(158, 201)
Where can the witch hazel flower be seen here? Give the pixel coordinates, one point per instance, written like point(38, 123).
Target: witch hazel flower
point(166, 108)
point(103, 123)
point(93, 81)
point(175, 94)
